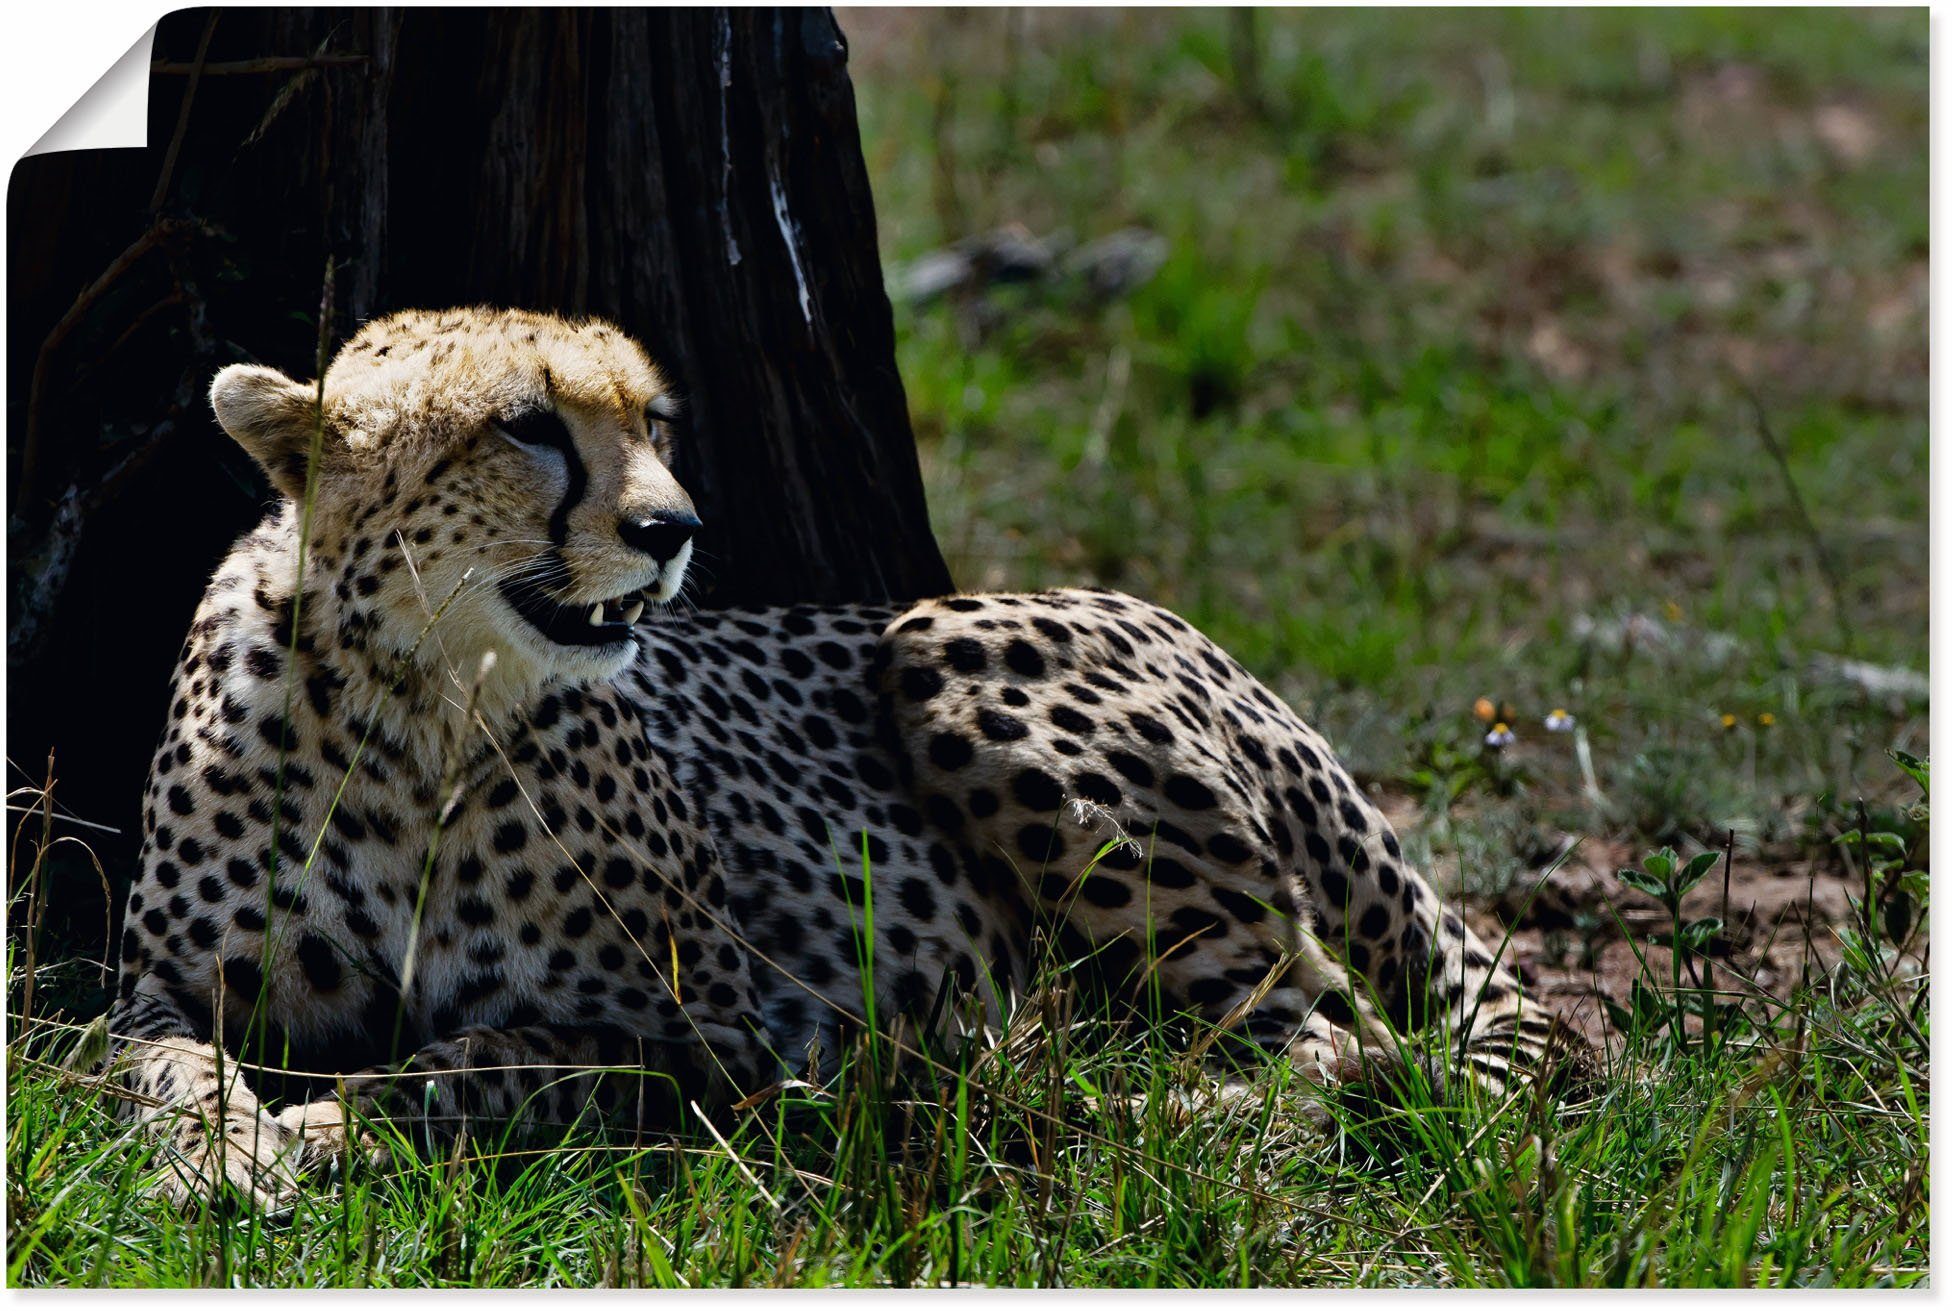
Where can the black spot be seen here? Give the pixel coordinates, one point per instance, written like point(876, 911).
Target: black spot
point(1101, 890)
point(1188, 792)
point(950, 751)
point(320, 963)
point(918, 898)
point(1166, 872)
point(1096, 787)
point(1246, 909)
point(1135, 770)
point(242, 979)
point(919, 684)
point(1193, 921)
point(1035, 790)
point(1000, 727)
point(1024, 658)
point(964, 654)
point(1039, 842)
point(1228, 849)
point(1335, 1007)
point(1179, 837)
point(1051, 628)
point(1071, 721)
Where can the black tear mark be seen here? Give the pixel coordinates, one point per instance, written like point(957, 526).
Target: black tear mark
point(546, 428)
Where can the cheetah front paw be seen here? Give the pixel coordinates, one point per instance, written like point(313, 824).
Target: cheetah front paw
point(250, 1155)
point(330, 1133)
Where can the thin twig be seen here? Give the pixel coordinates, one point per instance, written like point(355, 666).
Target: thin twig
point(157, 233)
point(183, 113)
point(271, 64)
point(67, 819)
point(1826, 564)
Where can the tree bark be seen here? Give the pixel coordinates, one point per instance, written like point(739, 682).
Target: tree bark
point(694, 175)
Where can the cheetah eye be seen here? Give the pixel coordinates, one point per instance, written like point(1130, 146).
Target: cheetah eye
point(660, 421)
point(536, 428)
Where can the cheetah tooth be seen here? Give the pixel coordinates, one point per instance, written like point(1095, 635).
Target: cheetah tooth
point(596, 615)
point(633, 612)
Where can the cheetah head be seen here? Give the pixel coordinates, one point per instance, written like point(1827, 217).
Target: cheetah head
point(486, 480)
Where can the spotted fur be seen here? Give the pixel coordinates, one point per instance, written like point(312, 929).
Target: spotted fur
point(411, 826)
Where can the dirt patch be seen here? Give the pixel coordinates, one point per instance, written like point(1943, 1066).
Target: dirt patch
point(1574, 940)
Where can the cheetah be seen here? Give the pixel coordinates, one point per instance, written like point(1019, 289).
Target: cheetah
point(455, 816)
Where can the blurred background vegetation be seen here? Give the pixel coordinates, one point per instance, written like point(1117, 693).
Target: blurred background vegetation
point(1567, 359)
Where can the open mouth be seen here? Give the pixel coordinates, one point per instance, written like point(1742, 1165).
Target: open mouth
point(587, 623)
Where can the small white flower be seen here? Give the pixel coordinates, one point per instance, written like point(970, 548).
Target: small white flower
point(1559, 721)
point(1500, 736)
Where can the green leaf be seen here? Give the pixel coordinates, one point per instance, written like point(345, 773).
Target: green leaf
point(1920, 770)
point(1700, 933)
point(1622, 1019)
point(1643, 882)
point(1696, 869)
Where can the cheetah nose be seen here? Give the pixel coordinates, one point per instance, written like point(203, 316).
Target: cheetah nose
point(661, 534)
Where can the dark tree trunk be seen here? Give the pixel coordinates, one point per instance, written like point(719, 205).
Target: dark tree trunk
point(694, 175)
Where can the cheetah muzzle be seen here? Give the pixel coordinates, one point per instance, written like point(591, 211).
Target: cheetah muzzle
point(599, 871)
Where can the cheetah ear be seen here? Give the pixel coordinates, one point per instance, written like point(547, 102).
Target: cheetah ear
point(270, 416)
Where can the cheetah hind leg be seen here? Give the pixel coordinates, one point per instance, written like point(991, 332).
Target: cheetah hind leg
point(1356, 1049)
point(1343, 1042)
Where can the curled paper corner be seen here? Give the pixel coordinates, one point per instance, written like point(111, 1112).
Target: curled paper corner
point(111, 114)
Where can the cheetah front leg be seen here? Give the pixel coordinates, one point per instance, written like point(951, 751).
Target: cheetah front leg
point(192, 1097)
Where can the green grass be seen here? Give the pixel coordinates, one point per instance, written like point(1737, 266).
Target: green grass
point(1454, 349)
point(1791, 1158)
